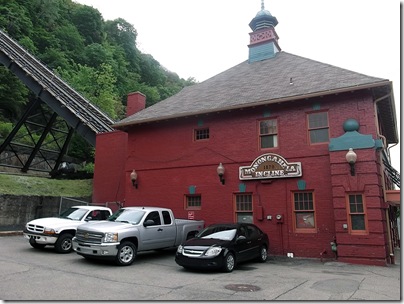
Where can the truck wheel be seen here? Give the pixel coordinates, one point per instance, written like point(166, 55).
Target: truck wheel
point(64, 243)
point(36, 245)
point(126, 254)
point(229, 262)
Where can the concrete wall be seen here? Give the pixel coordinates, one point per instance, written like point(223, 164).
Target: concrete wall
point(16, 211)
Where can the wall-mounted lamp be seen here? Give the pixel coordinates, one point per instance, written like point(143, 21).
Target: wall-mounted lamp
point(351, 159)
point(133, 178)
point(220, 172)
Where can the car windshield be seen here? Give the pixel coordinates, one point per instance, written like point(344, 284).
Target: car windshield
point(127, 216)
point(220, 233)
point(75, 214)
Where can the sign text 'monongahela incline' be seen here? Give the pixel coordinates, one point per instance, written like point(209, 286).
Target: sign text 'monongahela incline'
point(270, 166)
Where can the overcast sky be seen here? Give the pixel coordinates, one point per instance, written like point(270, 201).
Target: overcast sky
point(201, 38)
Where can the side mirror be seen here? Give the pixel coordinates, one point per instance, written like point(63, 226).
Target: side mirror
point(148, 223)
point(241, 237)
point(88, 218)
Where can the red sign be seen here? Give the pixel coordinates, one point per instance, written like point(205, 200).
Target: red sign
point(191, 215)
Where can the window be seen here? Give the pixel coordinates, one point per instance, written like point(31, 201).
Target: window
point(201, 134)
point(318, 127)
point(155, 217)
point(253, 232)
point(268, 133)
point(244, 208)
point(193, 202)
point(303, 205)
point(357, 215)
point(166, 217)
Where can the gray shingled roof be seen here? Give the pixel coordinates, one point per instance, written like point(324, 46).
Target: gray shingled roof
point(262, 82)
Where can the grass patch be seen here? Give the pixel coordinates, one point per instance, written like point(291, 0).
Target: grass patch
point(42, 186)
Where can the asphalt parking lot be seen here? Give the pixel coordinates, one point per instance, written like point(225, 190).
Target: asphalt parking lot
point(29, 274)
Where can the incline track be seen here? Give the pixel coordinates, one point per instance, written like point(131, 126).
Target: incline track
point(78, 112)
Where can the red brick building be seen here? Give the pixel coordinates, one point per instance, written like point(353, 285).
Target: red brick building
point(266, 141)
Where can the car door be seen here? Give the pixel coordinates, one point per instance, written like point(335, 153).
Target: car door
point(255, 240)
point(242, 244)
point(156, 235)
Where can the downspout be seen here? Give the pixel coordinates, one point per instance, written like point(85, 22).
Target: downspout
point(377, 120)
point(385, 147)
point(383, 139)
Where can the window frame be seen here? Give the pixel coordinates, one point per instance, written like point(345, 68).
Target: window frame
point(186, 202)
point(309, 129)
point(249, 212)
point(195, 134)
point(364, 213)
point(301, 211)
point(261, 135)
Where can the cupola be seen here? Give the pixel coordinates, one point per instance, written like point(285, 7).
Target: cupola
point(263, 40)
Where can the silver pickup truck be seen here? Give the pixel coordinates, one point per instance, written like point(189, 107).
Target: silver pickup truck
point(133, 229)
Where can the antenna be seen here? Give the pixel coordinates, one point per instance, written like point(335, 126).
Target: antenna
point(262, 5)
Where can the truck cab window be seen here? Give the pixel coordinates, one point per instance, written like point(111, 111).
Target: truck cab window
point(104, 214)
point(155, 216)
point(166, 218)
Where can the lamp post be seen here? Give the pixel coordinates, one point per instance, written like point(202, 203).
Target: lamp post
point(351, 159)
point(220, 172)
point(133, 178)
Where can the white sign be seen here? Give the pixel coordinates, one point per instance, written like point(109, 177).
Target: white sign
point(269, 166)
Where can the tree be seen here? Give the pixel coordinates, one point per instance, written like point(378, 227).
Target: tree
point(122, 33)
point(96, 85)
point(13, 95)
point(89, 23)
point(15, 19)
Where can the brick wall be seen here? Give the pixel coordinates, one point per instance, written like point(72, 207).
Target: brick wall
point(110, 158)
point(168, 161)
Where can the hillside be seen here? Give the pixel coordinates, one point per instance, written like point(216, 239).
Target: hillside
point(42, 186)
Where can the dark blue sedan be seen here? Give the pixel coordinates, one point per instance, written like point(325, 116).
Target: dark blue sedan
point(222, 246)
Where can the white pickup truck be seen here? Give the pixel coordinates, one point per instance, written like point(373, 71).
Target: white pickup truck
point(59, 231)
point(133, 229)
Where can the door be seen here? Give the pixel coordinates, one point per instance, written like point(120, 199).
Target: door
point(156, 235)
point(242, 244)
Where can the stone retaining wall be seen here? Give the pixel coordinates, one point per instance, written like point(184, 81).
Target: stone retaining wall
point(16, 211)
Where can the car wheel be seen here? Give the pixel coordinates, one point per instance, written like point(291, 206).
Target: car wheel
point(36, 245)
point(64, 243)
point(263, 254)
point(126, 254)
point(229, 262)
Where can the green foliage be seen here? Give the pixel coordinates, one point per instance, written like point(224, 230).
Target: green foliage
point(15, 19)
point(13, 95)
point(5, 129)
point(98, 58)
point(89, 23)
point(88, 168)
point(81, 149)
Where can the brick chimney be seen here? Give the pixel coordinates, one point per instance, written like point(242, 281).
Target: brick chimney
point(136, 102)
